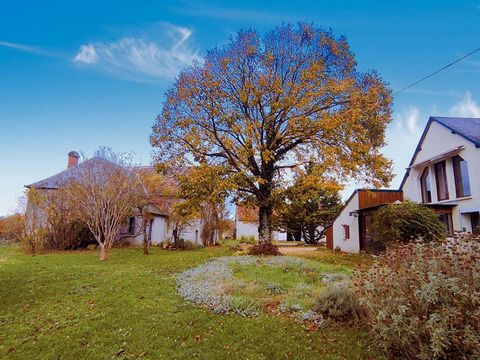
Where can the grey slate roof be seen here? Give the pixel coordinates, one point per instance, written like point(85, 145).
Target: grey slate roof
point(469, 128)
point(95, 164)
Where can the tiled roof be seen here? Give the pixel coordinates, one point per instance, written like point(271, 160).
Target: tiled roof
point(95, 164)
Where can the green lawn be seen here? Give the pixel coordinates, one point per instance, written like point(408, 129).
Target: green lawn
point(72, 306)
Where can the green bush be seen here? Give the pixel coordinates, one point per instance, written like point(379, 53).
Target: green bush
point(247, 239)
point(422, 300)
point(337, 302)
point(405, 222)
point(183, 244)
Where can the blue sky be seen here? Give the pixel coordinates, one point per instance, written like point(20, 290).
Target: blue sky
point(77, 75)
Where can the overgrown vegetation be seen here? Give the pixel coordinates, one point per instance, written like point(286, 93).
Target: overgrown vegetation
point(422, 300)
point(250, 285)
point(406, 221)
point(52, 224)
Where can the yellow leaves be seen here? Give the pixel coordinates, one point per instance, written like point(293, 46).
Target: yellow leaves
point(249, 99)
point(269, 57)
point(251, 50)
point(267, 156)
point(224, 63)
point(260, 180)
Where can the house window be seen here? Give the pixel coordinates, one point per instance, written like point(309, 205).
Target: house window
point(131, 226)
point(446, 219)
point(441, 178)
point(346, 232)
point(425, 185)
point(462, 182)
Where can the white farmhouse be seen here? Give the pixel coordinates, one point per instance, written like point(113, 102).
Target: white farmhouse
point(159, 228)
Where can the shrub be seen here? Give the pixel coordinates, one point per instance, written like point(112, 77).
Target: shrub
point(11, 228)
point(338, 302)
point(247, 239)
point(406, 221)
point(183, 244)
point(50, 223)
point(422, 300)
point(264, 249)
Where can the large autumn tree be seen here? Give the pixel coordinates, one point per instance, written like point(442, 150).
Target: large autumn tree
point(261, 105)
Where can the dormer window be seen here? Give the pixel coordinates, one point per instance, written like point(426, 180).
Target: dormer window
point(441, 178)
point(462, 182)
point(425, 185)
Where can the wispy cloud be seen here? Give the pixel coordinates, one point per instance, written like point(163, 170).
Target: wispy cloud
point(467, 107)
point(37, 50)
point(141, 58)
point(87, 54)
point(407, 120)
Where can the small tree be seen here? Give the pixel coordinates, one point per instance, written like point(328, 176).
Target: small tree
point(34, 226)
point(11, 227)
point(204, 189)
point(310, 203)
point(406, 221)
point(181, 217)
point(105, 195)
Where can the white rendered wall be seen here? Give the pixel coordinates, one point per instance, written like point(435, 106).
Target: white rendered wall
point(159, 230)
point(353, 243)
point(251, 229)
point(246, 229)
point(439, 140)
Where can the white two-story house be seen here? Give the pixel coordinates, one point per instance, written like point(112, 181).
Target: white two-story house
point(444, 172)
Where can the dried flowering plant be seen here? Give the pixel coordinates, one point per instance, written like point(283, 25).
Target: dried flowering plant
point(422, 300)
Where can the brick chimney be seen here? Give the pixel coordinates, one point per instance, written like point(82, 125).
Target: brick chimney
point(72, 159)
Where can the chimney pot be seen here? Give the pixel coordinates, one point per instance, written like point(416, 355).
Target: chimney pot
point(72, 159)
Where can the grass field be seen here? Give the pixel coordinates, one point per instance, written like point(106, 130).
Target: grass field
point(72, 306)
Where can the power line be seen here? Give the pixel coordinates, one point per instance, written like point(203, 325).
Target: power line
point(436, 72)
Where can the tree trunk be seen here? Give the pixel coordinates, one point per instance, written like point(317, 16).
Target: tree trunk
point(210, 221)
point(146, 220)
point(175, 236)
point(103, 253)
point(312, 234)
point(145, 239)
point(265, 224)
